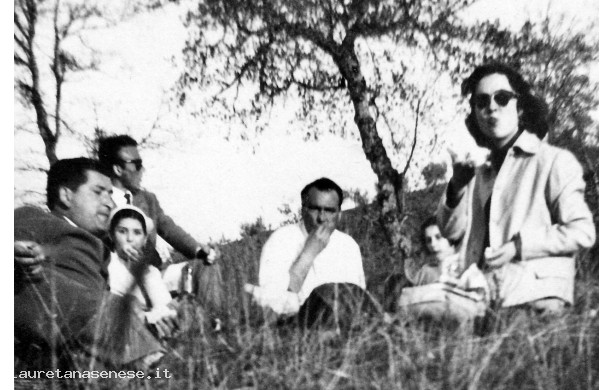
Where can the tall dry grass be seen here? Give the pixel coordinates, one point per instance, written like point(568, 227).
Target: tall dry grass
point(521, 351)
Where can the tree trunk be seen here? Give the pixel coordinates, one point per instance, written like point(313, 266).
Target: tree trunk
point(49, 139)
point(390, 182)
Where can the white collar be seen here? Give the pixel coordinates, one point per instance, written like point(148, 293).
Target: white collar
point(119, 196)
point(120, 191)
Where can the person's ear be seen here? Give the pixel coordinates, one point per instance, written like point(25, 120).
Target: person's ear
point(65, 197)
point(117, 170)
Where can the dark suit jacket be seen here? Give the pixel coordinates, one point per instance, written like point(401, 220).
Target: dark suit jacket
point(65, 306)
point(178, 238)
point(77, 270)
point(76, 253)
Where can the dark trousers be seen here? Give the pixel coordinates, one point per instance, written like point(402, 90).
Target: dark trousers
point(393, 290)
point(336, 305)
point(58, 319)
point(208, 287)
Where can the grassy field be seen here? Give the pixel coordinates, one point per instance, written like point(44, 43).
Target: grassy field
point(522, 350)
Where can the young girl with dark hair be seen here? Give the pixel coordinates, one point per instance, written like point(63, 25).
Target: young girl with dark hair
point(130, 275)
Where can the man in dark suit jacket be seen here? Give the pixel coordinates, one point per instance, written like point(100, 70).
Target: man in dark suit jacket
point(61, 300)
point(121, 158)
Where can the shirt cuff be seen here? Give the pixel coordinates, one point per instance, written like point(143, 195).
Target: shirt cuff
point(281, 302)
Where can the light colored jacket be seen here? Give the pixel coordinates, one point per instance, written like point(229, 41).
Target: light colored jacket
point(537, 196)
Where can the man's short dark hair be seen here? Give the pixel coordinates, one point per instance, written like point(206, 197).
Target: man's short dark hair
point(71, 173)
point(323, 184)
point(109, 147)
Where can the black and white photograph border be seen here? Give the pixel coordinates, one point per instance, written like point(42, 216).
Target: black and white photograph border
point(227, 147)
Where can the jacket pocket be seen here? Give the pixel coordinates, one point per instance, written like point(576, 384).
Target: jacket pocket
point(552, 267)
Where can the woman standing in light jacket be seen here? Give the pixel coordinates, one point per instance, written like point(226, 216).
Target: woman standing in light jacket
point(521, 216)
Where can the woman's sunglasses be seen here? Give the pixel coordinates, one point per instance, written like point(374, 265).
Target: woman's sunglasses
point(501, 97)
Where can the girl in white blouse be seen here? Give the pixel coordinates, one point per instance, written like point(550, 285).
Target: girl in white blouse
point(130, 275)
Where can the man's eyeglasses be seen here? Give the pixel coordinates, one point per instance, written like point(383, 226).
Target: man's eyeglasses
point(501, 97)
point(322, 210)
point(137, 163)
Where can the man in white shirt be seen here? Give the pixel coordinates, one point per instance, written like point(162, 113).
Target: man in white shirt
point(299, 259)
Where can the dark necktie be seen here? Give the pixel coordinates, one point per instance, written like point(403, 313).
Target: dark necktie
point(128, 197)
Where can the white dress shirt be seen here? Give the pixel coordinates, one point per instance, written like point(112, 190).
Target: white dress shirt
point(119, 196)
point(339, 262)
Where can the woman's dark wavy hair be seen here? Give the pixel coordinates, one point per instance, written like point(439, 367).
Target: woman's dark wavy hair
point(534, 116)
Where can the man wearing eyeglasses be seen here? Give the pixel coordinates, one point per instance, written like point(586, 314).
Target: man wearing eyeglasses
point(120, 156)
point(305, 258)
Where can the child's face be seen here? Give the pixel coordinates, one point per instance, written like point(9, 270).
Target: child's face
point(129, 232)
point(436, 244)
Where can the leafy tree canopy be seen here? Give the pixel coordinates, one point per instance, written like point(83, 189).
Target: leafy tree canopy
point(389, 65)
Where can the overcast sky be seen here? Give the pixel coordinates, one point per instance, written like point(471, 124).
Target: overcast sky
point(209, 185)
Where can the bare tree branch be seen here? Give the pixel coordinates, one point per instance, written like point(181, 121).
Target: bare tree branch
point(68, 20)
point(64, 123)
point(244, 68)
point(414, 141)
point(57, 67)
